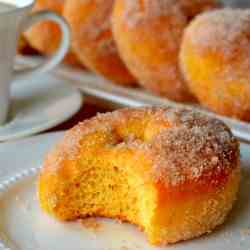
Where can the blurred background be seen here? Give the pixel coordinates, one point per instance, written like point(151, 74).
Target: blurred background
point(30, 45)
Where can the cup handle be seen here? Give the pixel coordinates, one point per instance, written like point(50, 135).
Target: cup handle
point(56, 58)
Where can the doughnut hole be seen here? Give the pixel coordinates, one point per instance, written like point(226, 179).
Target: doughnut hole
point(215, 61)
point(112, 166)
point(92, 39)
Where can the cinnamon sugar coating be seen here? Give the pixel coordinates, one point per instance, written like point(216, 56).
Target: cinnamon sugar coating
point(215, 61)
point(182, 145)
point(148, 36)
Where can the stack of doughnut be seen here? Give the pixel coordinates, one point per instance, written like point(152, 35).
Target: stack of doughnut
point(175, 173)
point(94, 46)
point(184, 50)
point(92, 41)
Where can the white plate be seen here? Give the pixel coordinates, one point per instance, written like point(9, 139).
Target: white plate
point(39, 104)
point(23, 226)
point(119, 96)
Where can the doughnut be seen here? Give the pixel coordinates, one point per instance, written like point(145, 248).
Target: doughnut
point(148, 36)
point(93, 41)
point(46, 36)
point(214, 58)
point(172, 172)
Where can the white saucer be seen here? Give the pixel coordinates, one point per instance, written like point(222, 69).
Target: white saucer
point(39, 104)
point(23, 226)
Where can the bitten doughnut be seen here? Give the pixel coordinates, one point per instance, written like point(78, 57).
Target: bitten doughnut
point(174, 173)
point(92, 38)
point(46, 36)
point(215, 61)
point(148, 34)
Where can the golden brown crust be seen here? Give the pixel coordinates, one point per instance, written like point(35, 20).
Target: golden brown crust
point(92, 39)
point(215, 61)
point(185, 147)
point(148, 35)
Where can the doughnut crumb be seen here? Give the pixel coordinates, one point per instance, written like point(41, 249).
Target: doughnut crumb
point(91, 223)
point(245, 232)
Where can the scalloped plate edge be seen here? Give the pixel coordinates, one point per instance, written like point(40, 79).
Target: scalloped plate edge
point(5, 185)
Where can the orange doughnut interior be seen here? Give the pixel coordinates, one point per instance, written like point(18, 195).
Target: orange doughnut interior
point(214, 59)
point(92, 39)
point(128, 165)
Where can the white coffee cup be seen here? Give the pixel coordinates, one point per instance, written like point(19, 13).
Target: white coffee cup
point(16, 17)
